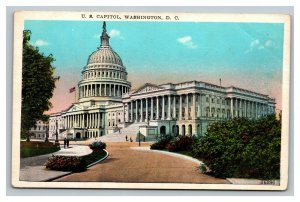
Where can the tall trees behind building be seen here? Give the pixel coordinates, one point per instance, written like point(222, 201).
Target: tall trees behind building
point(38, 83)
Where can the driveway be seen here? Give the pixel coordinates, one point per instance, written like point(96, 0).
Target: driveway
point(129, 165)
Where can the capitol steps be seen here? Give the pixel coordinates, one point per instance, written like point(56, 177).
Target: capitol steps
point(130, 131)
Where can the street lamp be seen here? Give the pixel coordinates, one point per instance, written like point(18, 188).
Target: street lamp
point(139, 139)
point(56, 133)
point(47, 134)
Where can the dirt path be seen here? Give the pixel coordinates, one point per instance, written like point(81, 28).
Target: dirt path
point(127, 165)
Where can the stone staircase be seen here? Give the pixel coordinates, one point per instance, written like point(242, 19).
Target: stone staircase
point(130, 131)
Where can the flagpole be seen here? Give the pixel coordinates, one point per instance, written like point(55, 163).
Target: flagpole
point(75, 95)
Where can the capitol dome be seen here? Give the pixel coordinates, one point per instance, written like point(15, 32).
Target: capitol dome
point(104, 77)
point(105, 55)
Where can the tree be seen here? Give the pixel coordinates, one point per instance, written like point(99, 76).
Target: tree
point(241, 147)
point(38, 83)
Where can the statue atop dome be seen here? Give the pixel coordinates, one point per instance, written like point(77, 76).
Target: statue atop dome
point(104, 37)
point(104, 26)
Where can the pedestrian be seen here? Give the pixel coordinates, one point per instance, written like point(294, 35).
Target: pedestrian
point(130, 139)
point(126, 138)
point(65, 142)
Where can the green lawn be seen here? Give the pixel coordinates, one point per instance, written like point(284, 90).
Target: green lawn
point(30, 151)
point(96, 155)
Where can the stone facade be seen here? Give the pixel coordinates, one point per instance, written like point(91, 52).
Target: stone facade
point(106, 104)
point(39, 131)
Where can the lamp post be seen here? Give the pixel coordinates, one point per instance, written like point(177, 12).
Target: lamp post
point(56, 133)
point(139, 139)
point(47, 134)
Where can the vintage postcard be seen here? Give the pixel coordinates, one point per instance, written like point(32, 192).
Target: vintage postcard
point(151, 100)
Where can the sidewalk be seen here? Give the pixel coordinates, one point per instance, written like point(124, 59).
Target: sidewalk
point(33, 169)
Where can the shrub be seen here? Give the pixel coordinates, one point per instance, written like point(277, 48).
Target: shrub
point(242, 148)
point(162, 142)
point(98, 145)
point(66, 163)
point(182, 143)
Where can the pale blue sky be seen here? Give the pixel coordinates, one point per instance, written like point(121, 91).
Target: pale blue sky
point(248, 55)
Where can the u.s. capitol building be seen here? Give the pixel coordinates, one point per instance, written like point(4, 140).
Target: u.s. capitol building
point(106, 105)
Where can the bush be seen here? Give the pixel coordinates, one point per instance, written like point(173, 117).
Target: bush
point(242, 148)
point(182, 143)
point(98, 145)
point(161, 143)
point(66, 163)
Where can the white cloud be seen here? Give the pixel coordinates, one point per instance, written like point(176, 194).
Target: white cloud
point(40, 42)
point(254, 43)
point(257, 45)
point(269, 43)
point(187, 41)
point(114, 33)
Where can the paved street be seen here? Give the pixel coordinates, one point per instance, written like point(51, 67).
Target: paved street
point(130, 165)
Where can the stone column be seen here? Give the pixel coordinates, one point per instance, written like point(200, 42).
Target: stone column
point(180, 107)
point(209, 105)
point(199, 106)
point(102, 120)
point(104, 89)
point(169, 107)
point(157, 108)
point(194, 114)
point(236, 107)
point(123, 112)
point(163, 108)
point(131, 111)
point(142, 116)
point(96, 120)
point(245, 110)
point(147, 118)
point(151, 109)
point(187, 107)
point(109, 89)
point(174, 106)
point(99, 121)
point(114, 90)
point(91, 121)
point(136, 110)
point(256, 111)
point(231, 107)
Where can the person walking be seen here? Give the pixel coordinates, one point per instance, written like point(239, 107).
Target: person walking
point(126, 138)
point(65, 142)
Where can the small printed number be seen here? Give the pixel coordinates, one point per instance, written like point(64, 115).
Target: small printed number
point(268, 182)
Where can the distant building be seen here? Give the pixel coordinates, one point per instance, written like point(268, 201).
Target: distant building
point(106, 105)
point(39, 131)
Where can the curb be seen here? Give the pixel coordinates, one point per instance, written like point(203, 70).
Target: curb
point(105, 157)
point(57, 177)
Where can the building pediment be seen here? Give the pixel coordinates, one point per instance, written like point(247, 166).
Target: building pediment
point(148, 87)
point(74, 107)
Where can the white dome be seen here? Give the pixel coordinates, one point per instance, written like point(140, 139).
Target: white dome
point(105, 55)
